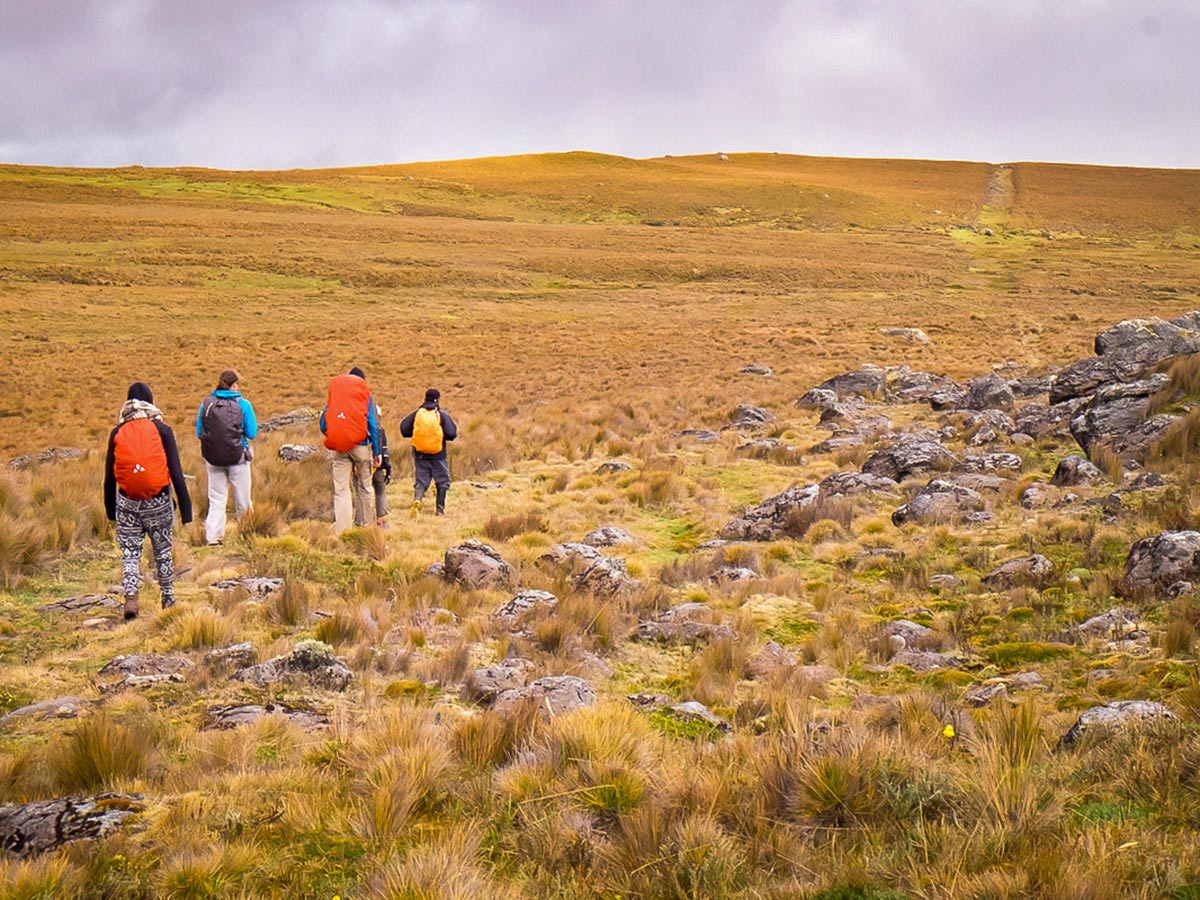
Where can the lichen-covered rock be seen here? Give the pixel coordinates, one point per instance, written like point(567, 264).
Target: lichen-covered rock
point(1157, 562)
point(689, 623)
point(51, 454)
point(733, 575)
point(910, 334)
point(608, 536)
point(851, 483)
point(945, 581)
point(1035, 570)
point(693, 711)
point(54, 708)
point(981, 695)
point(554, 695)
point(310, 661)
point(1110, 624)
point(768, 520)
point(910, 454)
point(223, 717)
point(484, 685)
point(988, 463)
point(476, 566)
point(297, 452)
point(1117, 416)
point(237, 656)
point(700, 435)
point(756, 368)
point(33, 828)
point(869, 381)
point(257, 587)
point(940, 501)
point(147, 664)
point(613, 466)
point(913, 635)
point(84, 603)
point(771, 659)
point(524, 603)
point(988, 392)
point(910, 386)
point(1075, 470)
point(749, 418)
point(925, 660)
point(1119, 714)
point(607, 577)
point(301, 416)
point(1039, 421)
point(574, 557)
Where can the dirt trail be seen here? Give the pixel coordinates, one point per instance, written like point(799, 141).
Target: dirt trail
point(998, 201)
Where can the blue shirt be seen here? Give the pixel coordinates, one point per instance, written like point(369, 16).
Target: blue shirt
point(249, 422)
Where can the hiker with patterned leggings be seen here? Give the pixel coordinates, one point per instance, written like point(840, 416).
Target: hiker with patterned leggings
point(140, 468)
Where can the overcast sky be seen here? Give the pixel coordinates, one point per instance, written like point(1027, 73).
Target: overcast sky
point(310, 83)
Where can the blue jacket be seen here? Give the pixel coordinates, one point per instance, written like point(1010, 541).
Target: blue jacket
point(249, 422)
point(372, 437)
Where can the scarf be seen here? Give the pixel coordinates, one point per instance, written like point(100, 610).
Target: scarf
point(138, 409)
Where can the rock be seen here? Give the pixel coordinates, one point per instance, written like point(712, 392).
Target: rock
point(772, 658)
point(1155, 563)
point(1024, 681)
point(995, 419)
point(1034, 496)
point(476, 566)
point(613, 465)
point(921, 387)
point(84, 603)
point(869, 381)
point(606, 578)
point(988, 463)
point(947, 398)
point(700, 435)
point(1074, 470)
point(912, 335)
point(486, 485)
point(310, 661)
point(816, 676)
point(749, 418)
point(1116, 416)
point(1147, 481)
point(486, 684)
point(301, 416)
point(910, 454)
point(573, 556)
point(140, 665)
point(237, 656)
point(1181, 589)
point(554, 695)
point(834, 444)
point(692, 711)
point(1127, 351)
point(256, 587)
point(733, 575)
point(1040, 421)
point(988, 392)
point(51, 454)
point(524, 603)
point(769, 519)
point(648, 702)
point(297, 452)
point(1031, 385)
point(945, 582)
point(925, 660)
point(1119, 714)
point(222, 717)
point(34, 828)
point(1111, 624)
point(54, 708)
point(1035, 570)
point(756, 369)
point(689, 623)
point(940, 501)
point(608, 536)
point(851, 483)
point(914, 635)
point(760, 449)
point(981, 695)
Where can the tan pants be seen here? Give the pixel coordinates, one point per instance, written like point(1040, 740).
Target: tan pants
point(356, 464)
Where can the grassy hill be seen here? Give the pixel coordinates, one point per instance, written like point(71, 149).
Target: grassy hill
point(574, 309)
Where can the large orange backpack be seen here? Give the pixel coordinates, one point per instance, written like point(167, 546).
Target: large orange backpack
point(346, 413)
point(139, 460)
point(427, 434)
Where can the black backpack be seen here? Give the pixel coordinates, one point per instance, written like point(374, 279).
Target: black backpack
point(221, 431)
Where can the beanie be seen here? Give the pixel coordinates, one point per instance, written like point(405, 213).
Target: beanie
point(432, 395)
point(139, 390)
point(359, 372)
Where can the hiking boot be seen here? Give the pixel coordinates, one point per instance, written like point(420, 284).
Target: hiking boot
point(131, 606)
point(416, 508)
point(168, 602)
point(441, 510)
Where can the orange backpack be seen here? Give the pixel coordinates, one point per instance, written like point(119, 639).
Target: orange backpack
point(427, 431)
point(346, 413)
point(139, 460)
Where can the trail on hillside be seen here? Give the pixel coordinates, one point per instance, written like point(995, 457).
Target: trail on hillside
point(997, 204)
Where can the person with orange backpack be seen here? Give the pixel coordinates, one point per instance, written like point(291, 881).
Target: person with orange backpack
point(352, 433)
point(140, 468)
point(430, 427)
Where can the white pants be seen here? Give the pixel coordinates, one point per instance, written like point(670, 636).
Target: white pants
point(220, 480)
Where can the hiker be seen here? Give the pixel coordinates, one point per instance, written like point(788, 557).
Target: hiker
point(379, 479)
point(225, 426)
point(352, 433)
point(430, 427)
point(140, 467)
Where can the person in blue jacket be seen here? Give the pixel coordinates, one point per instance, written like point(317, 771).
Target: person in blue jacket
point(225, 426)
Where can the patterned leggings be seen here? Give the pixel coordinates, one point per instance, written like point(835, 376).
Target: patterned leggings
point(135, 520)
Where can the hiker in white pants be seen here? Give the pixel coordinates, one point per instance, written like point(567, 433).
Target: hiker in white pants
point(225, 426)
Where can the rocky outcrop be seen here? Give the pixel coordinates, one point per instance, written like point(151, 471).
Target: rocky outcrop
point(34, 828)
point(987, 392)
point(1116, 417)
point(690, 623)
point(909, 455)
point(54, 708)
point(301, 416)
point(50, 454)
point(749, 418)
point(869, 381)
point(988, 463)
point(607, 577)
point(236, 656)
point(940, 501)
point(141, 670)
point(1157, 562)
point(1120, 714)
point(476, 566)
point(1034, 571)
point(554, 695)
point(769, 519)
point(1040, 421)
point(311, 662)
point(522, 605)
point(484, 685)
point(223, 717)
point(841, 484)
point(608, 536)
point(1074, 470)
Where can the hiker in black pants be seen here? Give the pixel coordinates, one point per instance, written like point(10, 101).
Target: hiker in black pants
point(430, 427)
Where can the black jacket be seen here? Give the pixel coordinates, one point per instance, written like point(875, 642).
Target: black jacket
point(173, 466)
point(449, 429)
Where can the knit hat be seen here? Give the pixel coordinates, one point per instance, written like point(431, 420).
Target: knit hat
point(359, 372)
point(139, 390)
point(228, 379)
point(433, 395)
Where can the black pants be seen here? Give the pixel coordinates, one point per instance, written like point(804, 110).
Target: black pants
point(435, 469)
